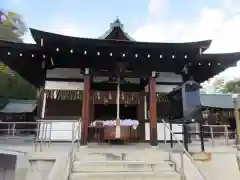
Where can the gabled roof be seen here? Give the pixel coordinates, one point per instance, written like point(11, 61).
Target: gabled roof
point(195, 85)
point(116, 32)
point(53, 39)
point(59, 51)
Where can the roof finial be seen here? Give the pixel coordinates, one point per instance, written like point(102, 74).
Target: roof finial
point(116, 23)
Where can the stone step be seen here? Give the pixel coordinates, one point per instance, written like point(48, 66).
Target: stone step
point(126, 176)
point(147, 155)
point(121, 166)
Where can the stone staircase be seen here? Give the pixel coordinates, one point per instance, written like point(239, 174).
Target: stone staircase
point(144, 164)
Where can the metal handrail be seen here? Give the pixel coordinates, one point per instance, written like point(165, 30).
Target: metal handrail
point(41, 136)
point(72, 152)
point(185, 151)
point(238, 157)
point(71, 160)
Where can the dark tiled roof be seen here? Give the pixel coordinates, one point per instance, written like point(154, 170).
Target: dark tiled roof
point(224, 101)
point(19, 106)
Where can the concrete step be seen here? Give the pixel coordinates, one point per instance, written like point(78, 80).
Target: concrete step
point(121, 166)
point(126, 176)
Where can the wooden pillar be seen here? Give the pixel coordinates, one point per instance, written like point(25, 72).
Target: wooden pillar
point(85, 110)
point(153, 111)
point(92, 107)
point(140, 117)
point(91, 117)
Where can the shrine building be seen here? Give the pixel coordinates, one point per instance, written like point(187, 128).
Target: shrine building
point(112, 87)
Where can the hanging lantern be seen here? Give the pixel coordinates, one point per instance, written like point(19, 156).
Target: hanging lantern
point(110, 96)
point(123, 96)
point(205, 114)
point(55, 94)
point(105, 101)
point(98, 95)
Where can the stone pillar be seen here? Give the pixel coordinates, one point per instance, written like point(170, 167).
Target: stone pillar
point(85, 110)
point(153, 111)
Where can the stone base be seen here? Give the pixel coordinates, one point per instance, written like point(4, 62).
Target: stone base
point(201, 156)
point(238, 142)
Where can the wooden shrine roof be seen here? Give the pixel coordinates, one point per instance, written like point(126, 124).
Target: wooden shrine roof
point(53, 40)
point(208, 65)
point(59, 51)
point(30, 60)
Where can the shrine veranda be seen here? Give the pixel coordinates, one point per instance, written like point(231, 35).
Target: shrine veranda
point(112, 87)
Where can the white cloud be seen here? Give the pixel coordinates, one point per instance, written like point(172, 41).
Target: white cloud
point(62, 26)
point(232, 6)
point(222, 25)
point(211, 24)
point(158, 7)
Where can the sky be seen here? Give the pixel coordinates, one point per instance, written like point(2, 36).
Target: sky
point(144, 20)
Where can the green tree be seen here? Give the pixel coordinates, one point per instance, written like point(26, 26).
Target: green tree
point(12, 27)
point(219, 85)
point(213, 86)
point(13, 86)
point(231, 87)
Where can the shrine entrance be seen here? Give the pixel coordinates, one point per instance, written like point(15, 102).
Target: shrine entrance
point(104, 122)
point(104, 114)
point(109, 111)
